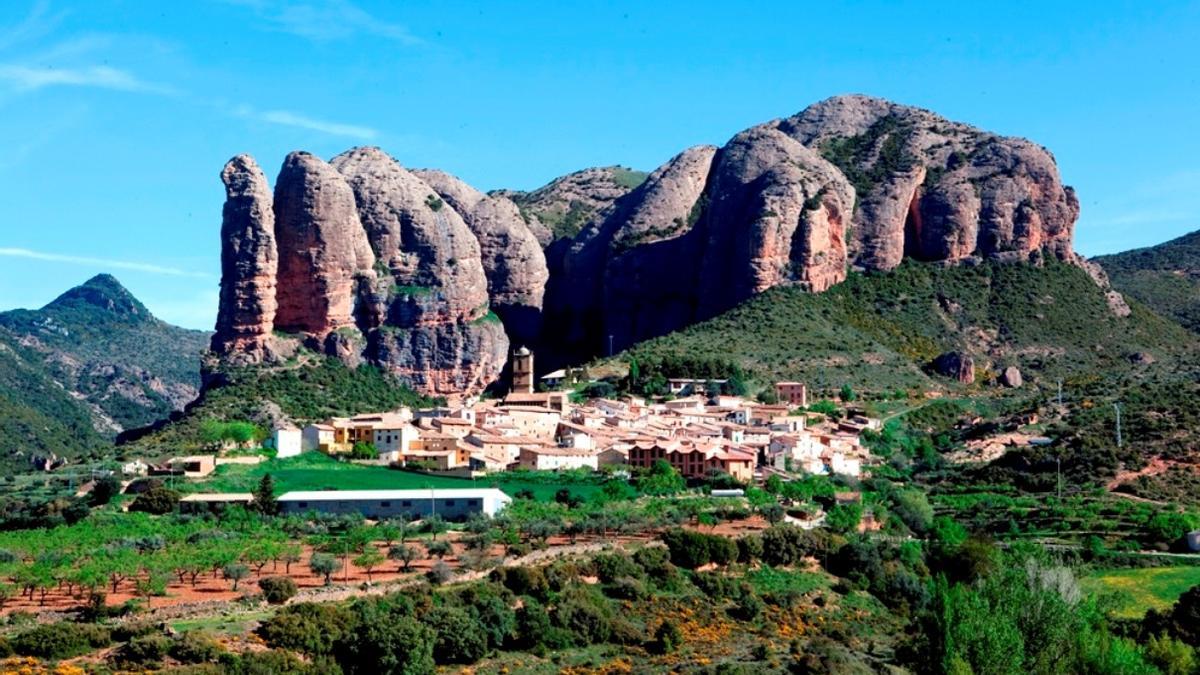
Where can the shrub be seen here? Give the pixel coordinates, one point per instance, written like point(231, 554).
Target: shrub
point(533, 623)
point(195, 647)
point(749, 548)
point(585, 615)
point(143, 651)
point(626, 588)
point(277, 590)
point(325, 565)
point(787, 545)
point(61, 640)
point(385, 640)
point(440, 573)
point(690, 549)
point(748, 605)
point(458, 637)
point(307, 627)
point(156, 501)
point(523, 580)
point(667, 638)
point(611, 566)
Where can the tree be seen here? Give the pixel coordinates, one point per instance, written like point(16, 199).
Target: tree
point(235, 572)
point(385, 643)
point(289, 554)
point(440, 549)
point(844, 518)
point(667, 637)
point(403, 554)
point(434, 524)
point(324, 565)
point(914, 509)
point(369, 560)
point(847, 393)
point(264, 497)
point(458, 637)
point(1171, 656)
point(660, 479)
point(104, 490)
point(364, 450)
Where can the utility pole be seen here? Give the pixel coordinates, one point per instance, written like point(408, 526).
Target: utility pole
point(1060, 392)
point(610, 344)
point(1058, 462)
point(1117, 407)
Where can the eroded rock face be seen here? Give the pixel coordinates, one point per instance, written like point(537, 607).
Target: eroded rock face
point(512, 256)
point(957, 365)
point(561, 208)
point(426, 317)
point(322, 247)
point(933, 189)
point(249, 259)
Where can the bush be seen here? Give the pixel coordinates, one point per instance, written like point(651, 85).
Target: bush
point(626, 588)
point(667, 638)
point(143, 651)
point(458, 637)
point(750, 548)
point(748, 606)
point(523, 581)
point(195, 647)
point(385, 640)
point(307, 627)
point(277, 590)
point(533, 624)
point(156, 501)
point(690, 549)
point(612, 566)
point(787, 545)
point(585, 616)
point(440, 573)
point(61, 640)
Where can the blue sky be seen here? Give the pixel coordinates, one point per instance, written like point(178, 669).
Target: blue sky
point(116, 116)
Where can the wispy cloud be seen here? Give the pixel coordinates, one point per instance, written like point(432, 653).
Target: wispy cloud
point(99, 262)
point(32, 78)
point(291, 119)
point(326, 20)
point(39, 22)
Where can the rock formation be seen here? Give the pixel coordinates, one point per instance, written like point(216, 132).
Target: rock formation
point(372, 265)
point(957, 365)
point(402, 268)
point(1011, 377)
point(512, 255)
point(933, 189)
point(249, 260)
point(322, 247)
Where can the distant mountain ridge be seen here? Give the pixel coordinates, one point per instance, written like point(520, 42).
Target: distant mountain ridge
point(1166, 277)
point(105, 350)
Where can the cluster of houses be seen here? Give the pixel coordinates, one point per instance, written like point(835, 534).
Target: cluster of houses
point(696, 434)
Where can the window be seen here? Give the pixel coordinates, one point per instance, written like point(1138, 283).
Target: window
point(472, 502)
point(405, 503)
point(302, 505)
point(449, 502)
point(385, 505)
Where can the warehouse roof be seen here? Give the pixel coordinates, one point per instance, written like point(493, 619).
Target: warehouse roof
point(362, 495)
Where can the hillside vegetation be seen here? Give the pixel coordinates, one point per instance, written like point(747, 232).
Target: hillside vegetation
point(37, 417)
point(1165, 277)
point(310, 387)
point(880, 331)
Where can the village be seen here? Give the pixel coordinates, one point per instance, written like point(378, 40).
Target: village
point(701, 436)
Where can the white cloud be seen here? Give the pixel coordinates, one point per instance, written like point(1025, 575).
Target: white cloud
point(149, 268)
point(290, 119)
point(326, 20)
point(32, 78)
point(36, 24)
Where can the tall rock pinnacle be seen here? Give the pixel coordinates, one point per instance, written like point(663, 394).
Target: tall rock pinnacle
point(248, 263)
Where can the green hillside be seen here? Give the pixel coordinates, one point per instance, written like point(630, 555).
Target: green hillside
point(37, 417)
point(100, 342)
point(880, 331)
point(309, 387)
point(1165, 277)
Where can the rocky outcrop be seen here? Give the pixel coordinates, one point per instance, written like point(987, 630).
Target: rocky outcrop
point(933, 189)
point(322, 248)
point(957, 365)
point(428, 314)
point(1011, 377)
point(404, 268)
point(249, 259)
point(512, 256)
point(561, 208)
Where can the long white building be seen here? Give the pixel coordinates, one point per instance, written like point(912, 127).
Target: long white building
point(451, 503)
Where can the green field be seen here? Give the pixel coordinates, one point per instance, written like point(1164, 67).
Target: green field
point(315, 471)
point(1138, 590)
